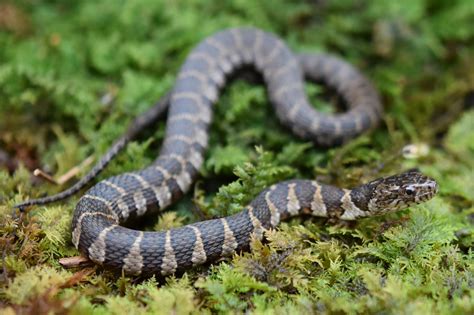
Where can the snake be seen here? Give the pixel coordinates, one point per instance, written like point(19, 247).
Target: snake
point(99, 228)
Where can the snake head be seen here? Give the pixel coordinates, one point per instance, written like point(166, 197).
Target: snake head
point(399, 191)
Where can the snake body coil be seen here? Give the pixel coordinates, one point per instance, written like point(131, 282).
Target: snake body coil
point(96, 225)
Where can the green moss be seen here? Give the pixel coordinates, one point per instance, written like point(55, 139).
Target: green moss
point(34, 282)
point(55, 224)
point(460, 138)
point(73, 75)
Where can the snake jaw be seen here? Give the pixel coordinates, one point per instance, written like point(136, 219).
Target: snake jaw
point(426, 190)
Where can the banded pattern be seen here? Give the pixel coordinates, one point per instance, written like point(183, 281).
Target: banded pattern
point(96, 225)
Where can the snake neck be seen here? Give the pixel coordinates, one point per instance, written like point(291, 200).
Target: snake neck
point(361, 196)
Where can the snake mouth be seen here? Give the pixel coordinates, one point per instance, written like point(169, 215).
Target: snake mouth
point(432, 189)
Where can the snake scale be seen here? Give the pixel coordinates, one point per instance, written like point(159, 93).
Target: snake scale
point(97, 229)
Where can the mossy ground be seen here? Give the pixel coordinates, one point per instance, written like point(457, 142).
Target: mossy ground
point(74, 73)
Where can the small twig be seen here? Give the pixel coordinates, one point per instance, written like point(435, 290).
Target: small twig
point(67, 176)
point(75, 170)
point(77, 277)
point(76, 261)
point(39, 173)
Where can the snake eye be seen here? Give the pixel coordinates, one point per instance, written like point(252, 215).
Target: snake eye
point(409, 191)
